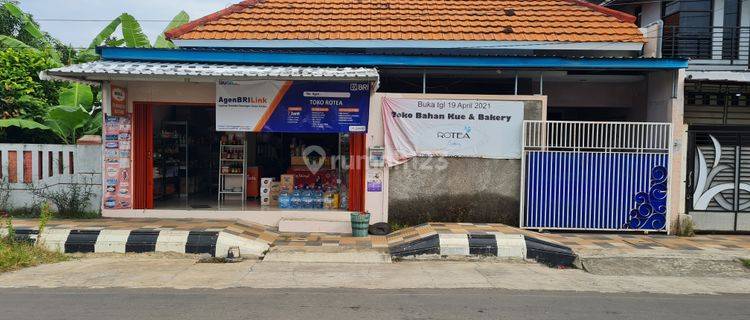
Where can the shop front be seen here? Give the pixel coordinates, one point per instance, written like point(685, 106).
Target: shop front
point(262, 147)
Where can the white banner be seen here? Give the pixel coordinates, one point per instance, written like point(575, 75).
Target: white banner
point(451, 128)
point(243, 105)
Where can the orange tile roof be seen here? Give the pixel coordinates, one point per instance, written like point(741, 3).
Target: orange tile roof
point(447, 20)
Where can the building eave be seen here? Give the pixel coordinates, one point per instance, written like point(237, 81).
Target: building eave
point(412, 44)
point(334, 59)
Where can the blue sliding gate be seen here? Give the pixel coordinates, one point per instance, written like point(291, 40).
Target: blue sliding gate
point(579, 186)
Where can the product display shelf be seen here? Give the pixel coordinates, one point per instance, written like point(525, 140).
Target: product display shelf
point(172, 159)
point(232, 165)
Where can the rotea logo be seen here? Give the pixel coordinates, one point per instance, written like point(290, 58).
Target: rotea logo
point(457, 135)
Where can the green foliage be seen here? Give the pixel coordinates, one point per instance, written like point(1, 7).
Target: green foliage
point(17, 255)
point(22, 93)
point(67, 122)
point(28, 25)
point(44, 217)
point(7, 42)
point(22, 124)
point(16, 24)
point(10, 235)
point(132, 33)
point(105, 34)
point(5, 206)
point(72, 201)
point(77, 95)
point(178, 20)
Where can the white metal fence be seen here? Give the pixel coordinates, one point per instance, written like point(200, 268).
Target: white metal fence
point(595, 175)
point(49, 166)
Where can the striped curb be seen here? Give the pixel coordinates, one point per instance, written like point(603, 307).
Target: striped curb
point(514, 246)
point(215, 243)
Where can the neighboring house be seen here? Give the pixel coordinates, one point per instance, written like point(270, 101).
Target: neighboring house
point(604, 163)
point(715, 36)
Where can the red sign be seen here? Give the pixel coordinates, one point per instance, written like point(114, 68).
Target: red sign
point(119, 101)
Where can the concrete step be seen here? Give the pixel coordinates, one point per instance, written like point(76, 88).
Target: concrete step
point(323, 225)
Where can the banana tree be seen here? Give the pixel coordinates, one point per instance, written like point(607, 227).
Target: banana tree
point(132, 33)
point(68, 123)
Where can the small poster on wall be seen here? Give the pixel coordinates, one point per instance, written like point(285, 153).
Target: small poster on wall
point(119, 101)
point(374, 182)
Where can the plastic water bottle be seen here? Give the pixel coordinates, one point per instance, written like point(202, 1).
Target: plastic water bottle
point(296, 199)
point(318, 198)
point(344, 200)
point(307, 198)
point(284, 200)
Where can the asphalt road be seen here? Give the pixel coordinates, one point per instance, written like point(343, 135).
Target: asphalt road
point(318, 304)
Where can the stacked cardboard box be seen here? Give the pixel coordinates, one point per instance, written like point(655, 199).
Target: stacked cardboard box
point(287, 183)
point(265, 191)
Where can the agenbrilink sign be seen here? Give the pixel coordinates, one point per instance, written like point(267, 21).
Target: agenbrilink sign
point(292, 106)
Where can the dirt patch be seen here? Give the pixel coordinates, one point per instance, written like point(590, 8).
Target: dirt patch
point(479, 208)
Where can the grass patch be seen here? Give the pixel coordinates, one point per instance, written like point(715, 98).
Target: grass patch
point(17, 255)
point(745, 262)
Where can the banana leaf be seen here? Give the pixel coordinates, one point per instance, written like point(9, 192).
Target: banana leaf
point(76, 94)
point(133, 33)
point(7, 42)
point(29, 26)
point(65, 121)
point(105, 33)
point(22, 123)
point(178, 20)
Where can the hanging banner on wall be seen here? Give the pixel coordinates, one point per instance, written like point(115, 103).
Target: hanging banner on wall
point(116, 176)
point(451, 128)
point(292, 106)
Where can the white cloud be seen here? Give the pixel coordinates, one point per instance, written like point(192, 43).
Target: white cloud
point(83, 19)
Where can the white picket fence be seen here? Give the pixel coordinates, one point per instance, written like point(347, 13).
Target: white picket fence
point(50, 166)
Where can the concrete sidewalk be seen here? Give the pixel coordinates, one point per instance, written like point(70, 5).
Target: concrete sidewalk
point(182, 271)
point(656, 254)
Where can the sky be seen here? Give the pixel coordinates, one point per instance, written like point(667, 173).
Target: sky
point(76, 22)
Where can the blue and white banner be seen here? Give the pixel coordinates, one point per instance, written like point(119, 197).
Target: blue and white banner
point(292, 106)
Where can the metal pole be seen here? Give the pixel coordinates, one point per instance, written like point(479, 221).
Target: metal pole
point(424, 81)
point(515, 86)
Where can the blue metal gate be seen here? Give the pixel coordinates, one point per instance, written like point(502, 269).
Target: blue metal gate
point(595, 176)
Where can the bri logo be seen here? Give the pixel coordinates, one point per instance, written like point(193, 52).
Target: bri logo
point(254, 100)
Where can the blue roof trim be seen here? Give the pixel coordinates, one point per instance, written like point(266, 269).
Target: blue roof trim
point(382, 60)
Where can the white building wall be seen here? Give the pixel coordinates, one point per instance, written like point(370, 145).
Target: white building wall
point(666, 104)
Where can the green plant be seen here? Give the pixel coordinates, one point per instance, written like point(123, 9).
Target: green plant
point(132, 33)
point(686, 228)
point(17, 255)
point(44, 216)
point(22, 94)
point(71, 199)
point(20, 26)
point(745, 262)
point(5, 206)
point(10, 237)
